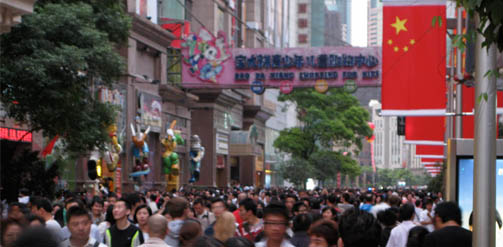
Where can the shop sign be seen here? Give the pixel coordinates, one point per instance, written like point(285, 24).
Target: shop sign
point(222, 141)
point(209, 63)
point(15, 135)
point(150, 110)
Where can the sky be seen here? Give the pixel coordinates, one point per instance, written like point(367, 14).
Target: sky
point(358, 22)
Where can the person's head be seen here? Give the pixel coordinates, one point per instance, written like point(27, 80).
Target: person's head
point(121, 209)
point(36, 236)
point(198, 206)
point(368, 198)
point(178, 207)
point(109, 215)
point(225, 226)
point(189, 232)
point(419, 204)
point(218, 206)
point(35, 220)
point(416, 236)
point(141, 214)
point(323, 233)
point(157, 226)
point(447, 212)
point(79, 223)
point(299, 208)
point(41, 206)
point(290, 200)
point(206, 241)
point(328, 213)
point(302, 222)
point(275, 221)
point(11, 229)
point(387, 217)
point(242, 196)
point(406, 212)
point(97, 206)
point(112, 198)
point(359, 229)
point(247, 209)
point(429, 204)
point(135, 200)
point(15, 211)
point(238, 242)
point(73, 202)
point(394, 201)
point(346, 198)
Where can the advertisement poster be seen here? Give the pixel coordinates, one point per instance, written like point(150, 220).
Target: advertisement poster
point(150, 110)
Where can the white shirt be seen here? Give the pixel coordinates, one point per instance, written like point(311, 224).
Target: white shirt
point(90, 243)
point(418, 214)
point(399, 234)
point(206, 219)
point(424, 217)
point(378, 208)
point(285, 243)
point(55, 229)
point(155, 242)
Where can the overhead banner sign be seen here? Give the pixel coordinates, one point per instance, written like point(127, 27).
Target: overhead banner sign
point(208, 63)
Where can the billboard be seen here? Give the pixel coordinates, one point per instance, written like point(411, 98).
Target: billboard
point(208, 62)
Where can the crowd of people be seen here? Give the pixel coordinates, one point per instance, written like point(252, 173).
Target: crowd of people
point(235, 217)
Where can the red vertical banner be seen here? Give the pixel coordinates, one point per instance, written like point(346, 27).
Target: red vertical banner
point(414, 51)
point(425, 130)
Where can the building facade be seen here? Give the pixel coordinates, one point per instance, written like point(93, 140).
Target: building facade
point(11, 12)
point(374, 23)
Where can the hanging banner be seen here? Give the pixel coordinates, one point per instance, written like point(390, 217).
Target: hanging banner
point(209, 63)
point(425, 130)
point(414, 50)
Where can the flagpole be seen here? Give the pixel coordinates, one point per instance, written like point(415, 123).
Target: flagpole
point(484, 176)
point(459, 75)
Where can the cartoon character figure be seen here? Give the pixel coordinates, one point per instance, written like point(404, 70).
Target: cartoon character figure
point(140, 151)
point(206, 54)
point(170, 159)
point(196, 155)
point(113, 149)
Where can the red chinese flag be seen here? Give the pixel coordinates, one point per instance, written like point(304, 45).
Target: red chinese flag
point(469, 98)
point(425, 130)
point(430, 161)
point(429, 151)
point(414, 51)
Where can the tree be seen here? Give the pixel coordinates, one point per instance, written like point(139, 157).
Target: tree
point(296, 171)
point(51, 61)
point(334, 119)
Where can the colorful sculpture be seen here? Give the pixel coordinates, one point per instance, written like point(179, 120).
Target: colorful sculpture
point(170, 159)
point(196, 155)
point(113, 149)
point(140, 152)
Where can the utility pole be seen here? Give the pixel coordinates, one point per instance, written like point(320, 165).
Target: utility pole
point(459, 75)
point(484, 176)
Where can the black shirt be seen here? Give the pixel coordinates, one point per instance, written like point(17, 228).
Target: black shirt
point(123, 238)
point(448, 236)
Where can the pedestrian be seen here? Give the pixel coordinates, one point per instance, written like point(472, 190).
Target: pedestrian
point(123, 233)
point(388, 220)
point(238, 242)
point(11, 229)
point(448, 231)
point(43, 208)
point(205, 217)
point(225, 227)
point(323, 233)
point(79, 223)
point(329, 213)
point(178, 208)
point(399, 234)
point(358, 229)
point(276, 219)
point(252, 226)
point(36, 236)
point(301, 224)
point(190, 231)
point(97, 206)
point(427, 215)
point(143, 212)
point(158, 227)
point(416, 236)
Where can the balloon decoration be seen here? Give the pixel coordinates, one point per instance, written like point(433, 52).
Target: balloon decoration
point(196, 155)
point(170, 159)
point(140, 152)
point(372, 127)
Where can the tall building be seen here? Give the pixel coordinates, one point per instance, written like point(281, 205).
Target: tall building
point(344, 7)
point(303, 35)
point(390, 151)
point(374, 30)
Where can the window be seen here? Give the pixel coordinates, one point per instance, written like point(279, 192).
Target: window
point(302, 23)
point(302, 8)
point(302, 38)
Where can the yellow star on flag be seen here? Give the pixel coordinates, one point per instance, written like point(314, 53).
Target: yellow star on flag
point(405, 48)
point(399, 25)
point(390, 42)
point(395, 48)
point(412, 41)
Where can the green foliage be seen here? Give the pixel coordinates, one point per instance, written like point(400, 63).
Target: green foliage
point(391, 177)
point(328, 120)
point(26, 171)
point(436, 184)
point(489, 11)
point(51, 61)
point(297, 171)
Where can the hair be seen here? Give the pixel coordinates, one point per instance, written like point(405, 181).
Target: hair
point(98, 200)
point(225, 226)
point(346, 197)
point(133, 198)
point(177, 206)
point(406, 212)
point(44, 203)
point(297, 205)
point(189, 232)
point(447, 211)
point(416, 236)
point(36, 236)
point(139, 208)
point(418, 203)
point(387, 217)
point(15, 204)
point(238, 242)
point(326, 229)
point(394, 201)
point(72, 200)
point(334, 212)
point(198, 201)
point(5, 224)
point(126, 202)
point(218, 199)
point(290, 195)
point(332, 199)
point(112, 194)
point(109, 215)
point(276, 208)
point(302, 222)
point(249, 204)
point(76, 211)
point(206, 241)
point(367, 197)
point(33, 217)
point(359, 229)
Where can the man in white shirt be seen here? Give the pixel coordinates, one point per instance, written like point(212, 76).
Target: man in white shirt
point(383, 205)
point(426, 217)
point(43, 208)
point(158, 228)
point(418, 209)
point(205, 217)
point(399, 234)
point(79, 224)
